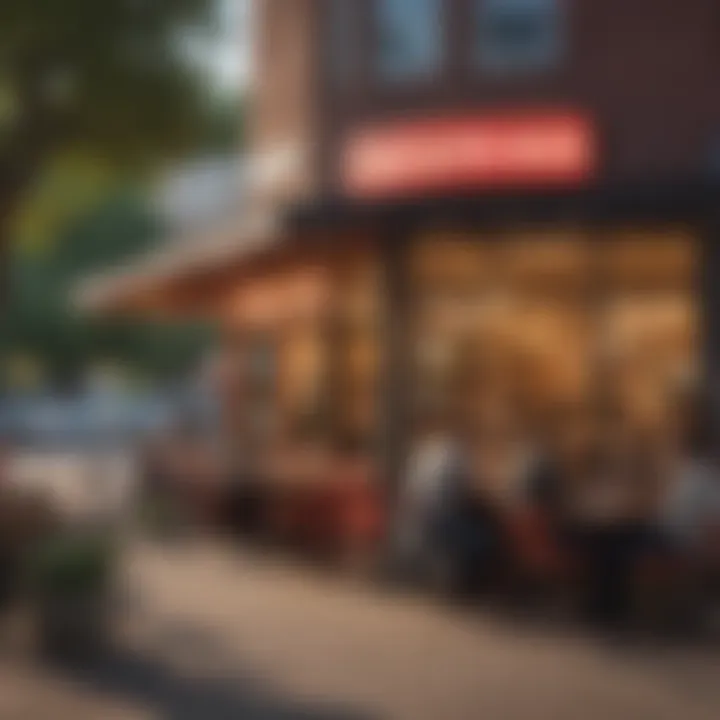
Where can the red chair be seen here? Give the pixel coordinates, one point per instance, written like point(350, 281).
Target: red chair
point(536, 550)
point(353, 511)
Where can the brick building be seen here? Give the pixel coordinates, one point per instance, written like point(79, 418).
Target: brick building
point(539, 177)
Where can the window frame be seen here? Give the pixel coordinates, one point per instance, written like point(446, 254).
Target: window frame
point(434, 57)
point(550, 47)
point(343, 42)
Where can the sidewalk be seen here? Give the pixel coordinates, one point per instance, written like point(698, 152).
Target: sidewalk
point(216, 634)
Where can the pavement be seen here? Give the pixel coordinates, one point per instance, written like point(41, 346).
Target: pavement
point(214, 633)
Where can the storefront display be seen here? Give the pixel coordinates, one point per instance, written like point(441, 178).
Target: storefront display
point(553, 313)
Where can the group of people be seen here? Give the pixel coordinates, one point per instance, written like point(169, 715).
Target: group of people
point(621, 490)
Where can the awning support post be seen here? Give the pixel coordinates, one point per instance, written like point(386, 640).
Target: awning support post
point(396, 352)
point(709, 297)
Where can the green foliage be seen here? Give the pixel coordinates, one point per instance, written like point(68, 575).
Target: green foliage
point(73, 187)
point(75, 563)
point(110, 82)
point(39, 321)
point(95, 94)
point(112, 76)
point(68, 189)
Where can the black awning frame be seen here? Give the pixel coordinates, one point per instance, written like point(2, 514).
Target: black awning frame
point(679, 201)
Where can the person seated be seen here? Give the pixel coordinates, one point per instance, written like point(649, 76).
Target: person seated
point(617, 513)
point(595, 503)
point(466, 538)
point(538, 521)
point(555, 491)
point(482, 493)
point(432, 465)
point(689, 513)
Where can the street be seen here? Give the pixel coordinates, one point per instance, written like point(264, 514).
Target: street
point(215, 633)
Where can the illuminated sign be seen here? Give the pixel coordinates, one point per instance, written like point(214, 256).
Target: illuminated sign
point(490, 151)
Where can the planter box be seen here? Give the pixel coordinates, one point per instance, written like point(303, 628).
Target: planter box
point(74, 625)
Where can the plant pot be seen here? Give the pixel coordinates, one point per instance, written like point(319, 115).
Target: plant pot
point(9, 580)
point(74, 625)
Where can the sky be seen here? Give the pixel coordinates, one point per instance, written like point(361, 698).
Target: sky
point(224, 53)
point(228, 56)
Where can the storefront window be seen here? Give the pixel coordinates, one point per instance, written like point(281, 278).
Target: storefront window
point(410, 38)
point(261, 410)
point(523, 338)
point(518, 35)
point(303, 384)
point(357, 354)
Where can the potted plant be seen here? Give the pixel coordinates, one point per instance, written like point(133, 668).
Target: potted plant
point(72, 579)
point(24, 520)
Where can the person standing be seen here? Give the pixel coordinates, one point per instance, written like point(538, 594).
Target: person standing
point(432, 467)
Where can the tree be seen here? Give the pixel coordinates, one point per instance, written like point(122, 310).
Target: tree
point(39, 321)
point(109, 79)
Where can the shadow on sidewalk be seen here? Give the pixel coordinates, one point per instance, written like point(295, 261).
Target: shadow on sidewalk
point(159, 689)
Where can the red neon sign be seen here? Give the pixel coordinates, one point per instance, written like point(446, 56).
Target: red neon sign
point(496, 151)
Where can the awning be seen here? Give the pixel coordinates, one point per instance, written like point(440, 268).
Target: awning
point(165, 280)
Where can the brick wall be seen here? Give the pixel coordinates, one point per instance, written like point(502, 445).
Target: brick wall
point(646, 71)
point(283, 98)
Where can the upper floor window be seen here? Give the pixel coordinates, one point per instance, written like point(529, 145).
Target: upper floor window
point(518, 35)
point(344, 40)
point(410, 38)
